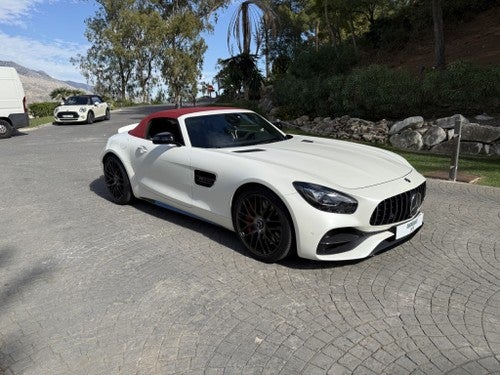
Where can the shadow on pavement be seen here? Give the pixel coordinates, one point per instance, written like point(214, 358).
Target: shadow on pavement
point(213, 232)
point(12, 344)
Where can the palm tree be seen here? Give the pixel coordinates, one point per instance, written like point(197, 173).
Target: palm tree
point(253, 18)
point(64, 92)
point(237, 72)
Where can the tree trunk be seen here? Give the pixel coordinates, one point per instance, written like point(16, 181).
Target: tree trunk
point(437, 15)
point(266, 54)
point(353, 36)
point(329, 26)
point(247, 36)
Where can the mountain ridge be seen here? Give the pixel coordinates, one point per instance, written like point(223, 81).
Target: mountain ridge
point(38, 85)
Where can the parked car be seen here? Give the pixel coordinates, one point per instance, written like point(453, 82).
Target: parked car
point(324, 198)
point(82, 108)
point(13, 106)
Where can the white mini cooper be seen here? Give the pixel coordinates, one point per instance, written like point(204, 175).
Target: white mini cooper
point(82, 108)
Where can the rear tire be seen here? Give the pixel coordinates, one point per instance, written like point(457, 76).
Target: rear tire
point(6, 129)
point(263, 224)
point(108, 114)
point(117, 181)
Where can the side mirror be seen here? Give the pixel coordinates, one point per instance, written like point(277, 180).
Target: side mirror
point(165, 138)
point(278, 124)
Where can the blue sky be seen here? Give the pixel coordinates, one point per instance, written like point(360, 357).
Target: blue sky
point(45, 34)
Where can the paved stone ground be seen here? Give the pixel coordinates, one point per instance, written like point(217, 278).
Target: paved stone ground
point(88, 287)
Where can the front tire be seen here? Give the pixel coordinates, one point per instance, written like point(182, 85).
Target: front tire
point(263, 224)
point(108, 114)
point(117, 181)
point(6, 129)
point(90, 117)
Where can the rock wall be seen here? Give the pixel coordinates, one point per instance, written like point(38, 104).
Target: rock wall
point(413, 133)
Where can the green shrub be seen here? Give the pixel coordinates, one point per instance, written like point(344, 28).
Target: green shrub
point(325, 61)
point(463, 87)
point(377, 91)
point(303, 96)
point(43, 109)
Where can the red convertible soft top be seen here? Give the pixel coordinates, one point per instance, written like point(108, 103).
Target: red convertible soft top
point(141, 128)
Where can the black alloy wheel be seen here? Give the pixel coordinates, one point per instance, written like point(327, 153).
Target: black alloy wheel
point(117, 181)
point(5, 129)
point(108, 114)
point(90, 117)
point(263, 224)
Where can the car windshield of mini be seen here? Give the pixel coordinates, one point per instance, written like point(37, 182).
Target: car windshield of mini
point(77, 100)
point(231, 130)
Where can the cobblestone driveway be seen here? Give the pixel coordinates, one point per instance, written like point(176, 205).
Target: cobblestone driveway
point(88, 287)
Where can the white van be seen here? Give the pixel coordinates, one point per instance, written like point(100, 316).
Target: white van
point(13, 106)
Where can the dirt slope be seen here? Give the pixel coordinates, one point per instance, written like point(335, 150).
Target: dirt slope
point(476, 40)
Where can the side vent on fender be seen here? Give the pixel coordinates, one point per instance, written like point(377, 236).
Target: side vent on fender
point(203, 178)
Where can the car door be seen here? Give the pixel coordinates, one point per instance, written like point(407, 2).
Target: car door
point(162, 171)
point(99, 106)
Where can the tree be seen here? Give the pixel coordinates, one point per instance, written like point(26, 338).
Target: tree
point(239, 75)
point(437, 16)
point(110, 60)
point(182, 48)
point(252, 18)
point(134, 43)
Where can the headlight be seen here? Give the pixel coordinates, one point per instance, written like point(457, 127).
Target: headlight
point(56, 110)
point(83, 109)
point(326, 199)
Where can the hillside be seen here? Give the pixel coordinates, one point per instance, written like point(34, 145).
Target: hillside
point(38, 85)
point(476, 40)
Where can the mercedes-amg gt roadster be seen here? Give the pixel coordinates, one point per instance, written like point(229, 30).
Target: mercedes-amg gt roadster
point(325, 199)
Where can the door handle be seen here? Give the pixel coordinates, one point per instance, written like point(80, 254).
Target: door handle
point(142, 150)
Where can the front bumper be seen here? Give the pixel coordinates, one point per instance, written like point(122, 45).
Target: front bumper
point(337, 237)
point(70, 116)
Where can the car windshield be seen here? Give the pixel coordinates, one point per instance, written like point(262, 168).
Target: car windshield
point(77, 100)
point(231, 130)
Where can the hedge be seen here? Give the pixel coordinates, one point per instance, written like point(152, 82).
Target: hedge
point(43, 109)
point(377, 91)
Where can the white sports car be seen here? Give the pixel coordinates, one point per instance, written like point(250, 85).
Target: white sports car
point(326, 199)
point(82, 108)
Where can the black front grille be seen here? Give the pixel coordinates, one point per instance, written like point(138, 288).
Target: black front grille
point(398, 208)
point(67, 115)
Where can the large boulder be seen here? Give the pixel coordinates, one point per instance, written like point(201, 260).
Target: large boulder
point(302, 120)
point(466, 148)
point(408, 140)
point(484, 117)
point(434, 136)
point(449, 122)
point(480, 133)
point(408, 123)
point(493, 149)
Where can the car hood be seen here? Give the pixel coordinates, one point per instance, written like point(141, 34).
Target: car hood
point(335, 163)
point(68, 108)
